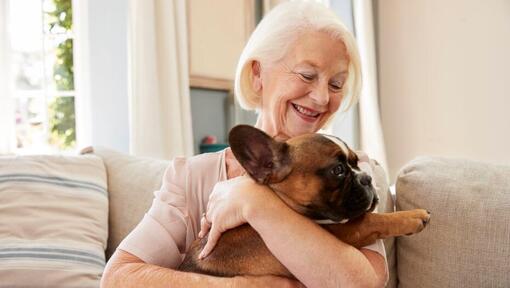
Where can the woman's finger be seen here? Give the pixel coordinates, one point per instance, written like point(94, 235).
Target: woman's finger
point(212, 239)
point(205, 225)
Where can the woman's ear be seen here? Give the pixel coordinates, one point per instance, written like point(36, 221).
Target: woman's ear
point(256, 80)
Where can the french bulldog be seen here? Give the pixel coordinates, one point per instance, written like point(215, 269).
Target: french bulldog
point(316, 175)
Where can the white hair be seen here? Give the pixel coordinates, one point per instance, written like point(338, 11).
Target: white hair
point(279, 29)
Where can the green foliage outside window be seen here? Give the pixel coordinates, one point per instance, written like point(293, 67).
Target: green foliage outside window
point(62, 120)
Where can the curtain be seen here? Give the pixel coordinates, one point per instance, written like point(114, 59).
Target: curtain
point(371, 134)
point(159, 96)
point(7, 120)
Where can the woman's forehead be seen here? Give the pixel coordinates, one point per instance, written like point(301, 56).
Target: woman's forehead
point(318, 50)
point(342, 68)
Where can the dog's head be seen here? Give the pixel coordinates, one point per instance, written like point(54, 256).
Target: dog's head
point(316, 175)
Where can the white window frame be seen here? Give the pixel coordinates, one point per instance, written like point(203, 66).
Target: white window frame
point(7, 120)
point(82, 84)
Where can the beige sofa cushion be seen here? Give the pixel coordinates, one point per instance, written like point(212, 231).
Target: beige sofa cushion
point(53, 226)
point(467, 243)
point(131, 185)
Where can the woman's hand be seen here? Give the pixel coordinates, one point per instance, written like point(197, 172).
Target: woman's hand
point(227, 206)
point(266, 281)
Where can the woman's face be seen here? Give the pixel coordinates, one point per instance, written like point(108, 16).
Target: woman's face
point(301, 91)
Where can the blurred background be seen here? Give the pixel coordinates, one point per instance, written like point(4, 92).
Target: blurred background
point(155, 78)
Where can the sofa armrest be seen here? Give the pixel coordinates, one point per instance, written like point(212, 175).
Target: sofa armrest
point(467, 243)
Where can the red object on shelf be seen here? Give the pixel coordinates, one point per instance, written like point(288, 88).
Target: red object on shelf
point(209, 139)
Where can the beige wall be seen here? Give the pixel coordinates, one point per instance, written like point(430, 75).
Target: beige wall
point(217, 33)
point(444, 79)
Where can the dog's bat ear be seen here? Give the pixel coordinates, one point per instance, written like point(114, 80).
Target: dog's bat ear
point(265, 159)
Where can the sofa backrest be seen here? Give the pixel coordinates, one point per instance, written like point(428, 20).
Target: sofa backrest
point(131, 184)
point(467, 242)
point(132, 181)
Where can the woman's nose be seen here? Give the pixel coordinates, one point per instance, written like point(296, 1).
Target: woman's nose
point(320, 95)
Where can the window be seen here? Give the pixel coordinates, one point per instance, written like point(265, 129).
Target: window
point(42, 76)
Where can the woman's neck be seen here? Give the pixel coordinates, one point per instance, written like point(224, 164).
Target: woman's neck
point(270, 129)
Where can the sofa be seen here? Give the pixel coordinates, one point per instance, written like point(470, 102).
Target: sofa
point(63, 216)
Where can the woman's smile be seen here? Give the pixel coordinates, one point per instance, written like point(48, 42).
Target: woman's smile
point(305, 113)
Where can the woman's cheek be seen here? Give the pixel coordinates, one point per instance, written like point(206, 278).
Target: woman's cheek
point(336, 100)
point(297, 85)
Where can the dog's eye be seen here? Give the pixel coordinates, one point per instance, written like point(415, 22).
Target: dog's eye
point(338, 170)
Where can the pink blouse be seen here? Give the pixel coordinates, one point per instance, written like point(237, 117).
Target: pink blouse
point(173, 220)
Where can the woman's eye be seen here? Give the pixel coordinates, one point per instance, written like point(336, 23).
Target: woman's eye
point(338, 170)
point(335, 87)
point(307, 77)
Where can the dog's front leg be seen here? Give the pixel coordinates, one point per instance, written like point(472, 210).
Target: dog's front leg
point(366, 229)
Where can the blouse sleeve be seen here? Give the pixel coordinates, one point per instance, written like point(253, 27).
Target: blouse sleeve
point(368, 166)
point(378, 247)
point(160, 238)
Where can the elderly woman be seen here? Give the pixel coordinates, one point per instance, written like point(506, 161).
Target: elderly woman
point(298, 68)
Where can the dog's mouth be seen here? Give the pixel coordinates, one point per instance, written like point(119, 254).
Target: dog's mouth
point(371, 204)
point(332, 216)
point(324, 215)
point(328, 221)
point(375, 201)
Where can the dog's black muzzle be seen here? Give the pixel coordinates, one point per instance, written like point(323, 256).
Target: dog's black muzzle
point(362, 197)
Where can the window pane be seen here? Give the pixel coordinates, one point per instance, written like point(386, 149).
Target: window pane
point(28, 70)
point(57, 16)
point(25, 25)
point(30, 118)
point(59, 59)
point(62, 123)
point(25, 29)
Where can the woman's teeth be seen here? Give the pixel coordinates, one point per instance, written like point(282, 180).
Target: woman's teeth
point(305, 111)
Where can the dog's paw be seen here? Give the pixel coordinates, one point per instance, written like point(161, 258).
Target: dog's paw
point(416, 221)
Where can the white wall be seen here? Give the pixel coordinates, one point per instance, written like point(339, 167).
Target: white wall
point(444, 78)
point(107, 73)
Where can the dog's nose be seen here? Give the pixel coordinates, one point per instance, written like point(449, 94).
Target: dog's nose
point(365, 180)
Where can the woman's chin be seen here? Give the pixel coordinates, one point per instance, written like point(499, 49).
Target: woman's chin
point(300, 127)
point(296, 129)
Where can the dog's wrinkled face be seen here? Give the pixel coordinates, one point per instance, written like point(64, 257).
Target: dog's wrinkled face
point(317, 175)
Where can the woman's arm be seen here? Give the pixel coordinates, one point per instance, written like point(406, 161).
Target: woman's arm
point(126, 270)
point(312, 254)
